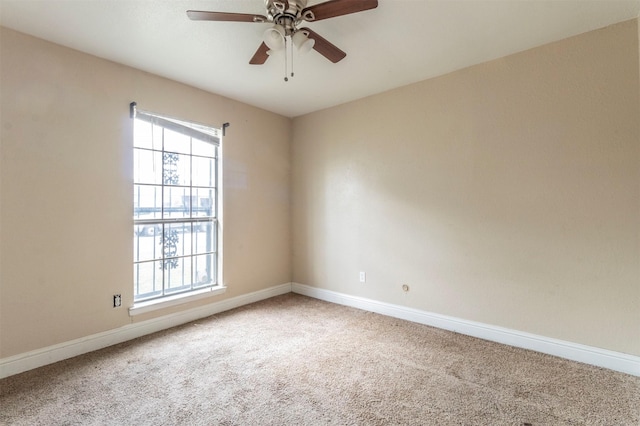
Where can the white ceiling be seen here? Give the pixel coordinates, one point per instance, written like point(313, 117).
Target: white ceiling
point(400, 42)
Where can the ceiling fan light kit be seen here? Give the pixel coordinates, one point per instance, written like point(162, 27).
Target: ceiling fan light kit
point(274, 37)
point(302, 41)
point(286, 17)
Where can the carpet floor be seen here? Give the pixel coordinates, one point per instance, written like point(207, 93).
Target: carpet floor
point(294, 360)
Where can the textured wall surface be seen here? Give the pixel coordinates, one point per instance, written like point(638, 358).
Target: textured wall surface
point(67, 196)
point(507, 193)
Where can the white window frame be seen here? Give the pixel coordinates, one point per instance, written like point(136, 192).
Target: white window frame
point(212, 220)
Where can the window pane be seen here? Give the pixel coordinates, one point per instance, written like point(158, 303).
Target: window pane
point(176, 240)
point(147, 201)
point(204, 270)
point(147, 166)
point(147, 242)
point(177, 274)
point(176, 142)
point(203, 148)
point(147, 278)
point(204, 240)
point(203, 173)
point(205, 202)
point(177, 169)
point(177, 202)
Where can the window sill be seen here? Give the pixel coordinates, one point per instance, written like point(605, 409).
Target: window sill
point(178, 299)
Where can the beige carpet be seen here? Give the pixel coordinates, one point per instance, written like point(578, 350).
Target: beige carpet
point(293, 360)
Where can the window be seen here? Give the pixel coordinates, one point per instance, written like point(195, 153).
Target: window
point(175, 198)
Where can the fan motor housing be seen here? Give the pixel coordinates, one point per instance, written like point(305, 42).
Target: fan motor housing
point(278, 10)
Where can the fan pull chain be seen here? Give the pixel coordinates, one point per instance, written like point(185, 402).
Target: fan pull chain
point(285, 60)
point(292, 58)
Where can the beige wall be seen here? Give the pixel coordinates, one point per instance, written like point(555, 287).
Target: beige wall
point(507, 193)
point(66, 194)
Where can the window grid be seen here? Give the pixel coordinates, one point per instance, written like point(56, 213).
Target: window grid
point(174, 265)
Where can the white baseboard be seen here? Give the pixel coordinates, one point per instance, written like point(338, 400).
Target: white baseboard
point(37, 358)
point(617, 361)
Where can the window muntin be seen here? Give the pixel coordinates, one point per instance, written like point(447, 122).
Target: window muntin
point(175, 207)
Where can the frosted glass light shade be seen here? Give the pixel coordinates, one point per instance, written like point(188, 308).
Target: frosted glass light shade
point(274, 37)
point(302, 42)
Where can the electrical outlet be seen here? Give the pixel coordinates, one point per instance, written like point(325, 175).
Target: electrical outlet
point(117, 300)
point(363, 277)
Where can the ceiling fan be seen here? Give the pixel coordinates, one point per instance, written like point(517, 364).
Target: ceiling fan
point(287, 17)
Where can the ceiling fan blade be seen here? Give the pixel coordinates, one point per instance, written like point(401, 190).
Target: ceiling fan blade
point(325, 47)
point(199, 15)
point(334, 8)
point(261, 56)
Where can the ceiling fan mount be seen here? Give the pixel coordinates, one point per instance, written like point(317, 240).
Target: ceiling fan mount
point(285, 13)
point(287, 17)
